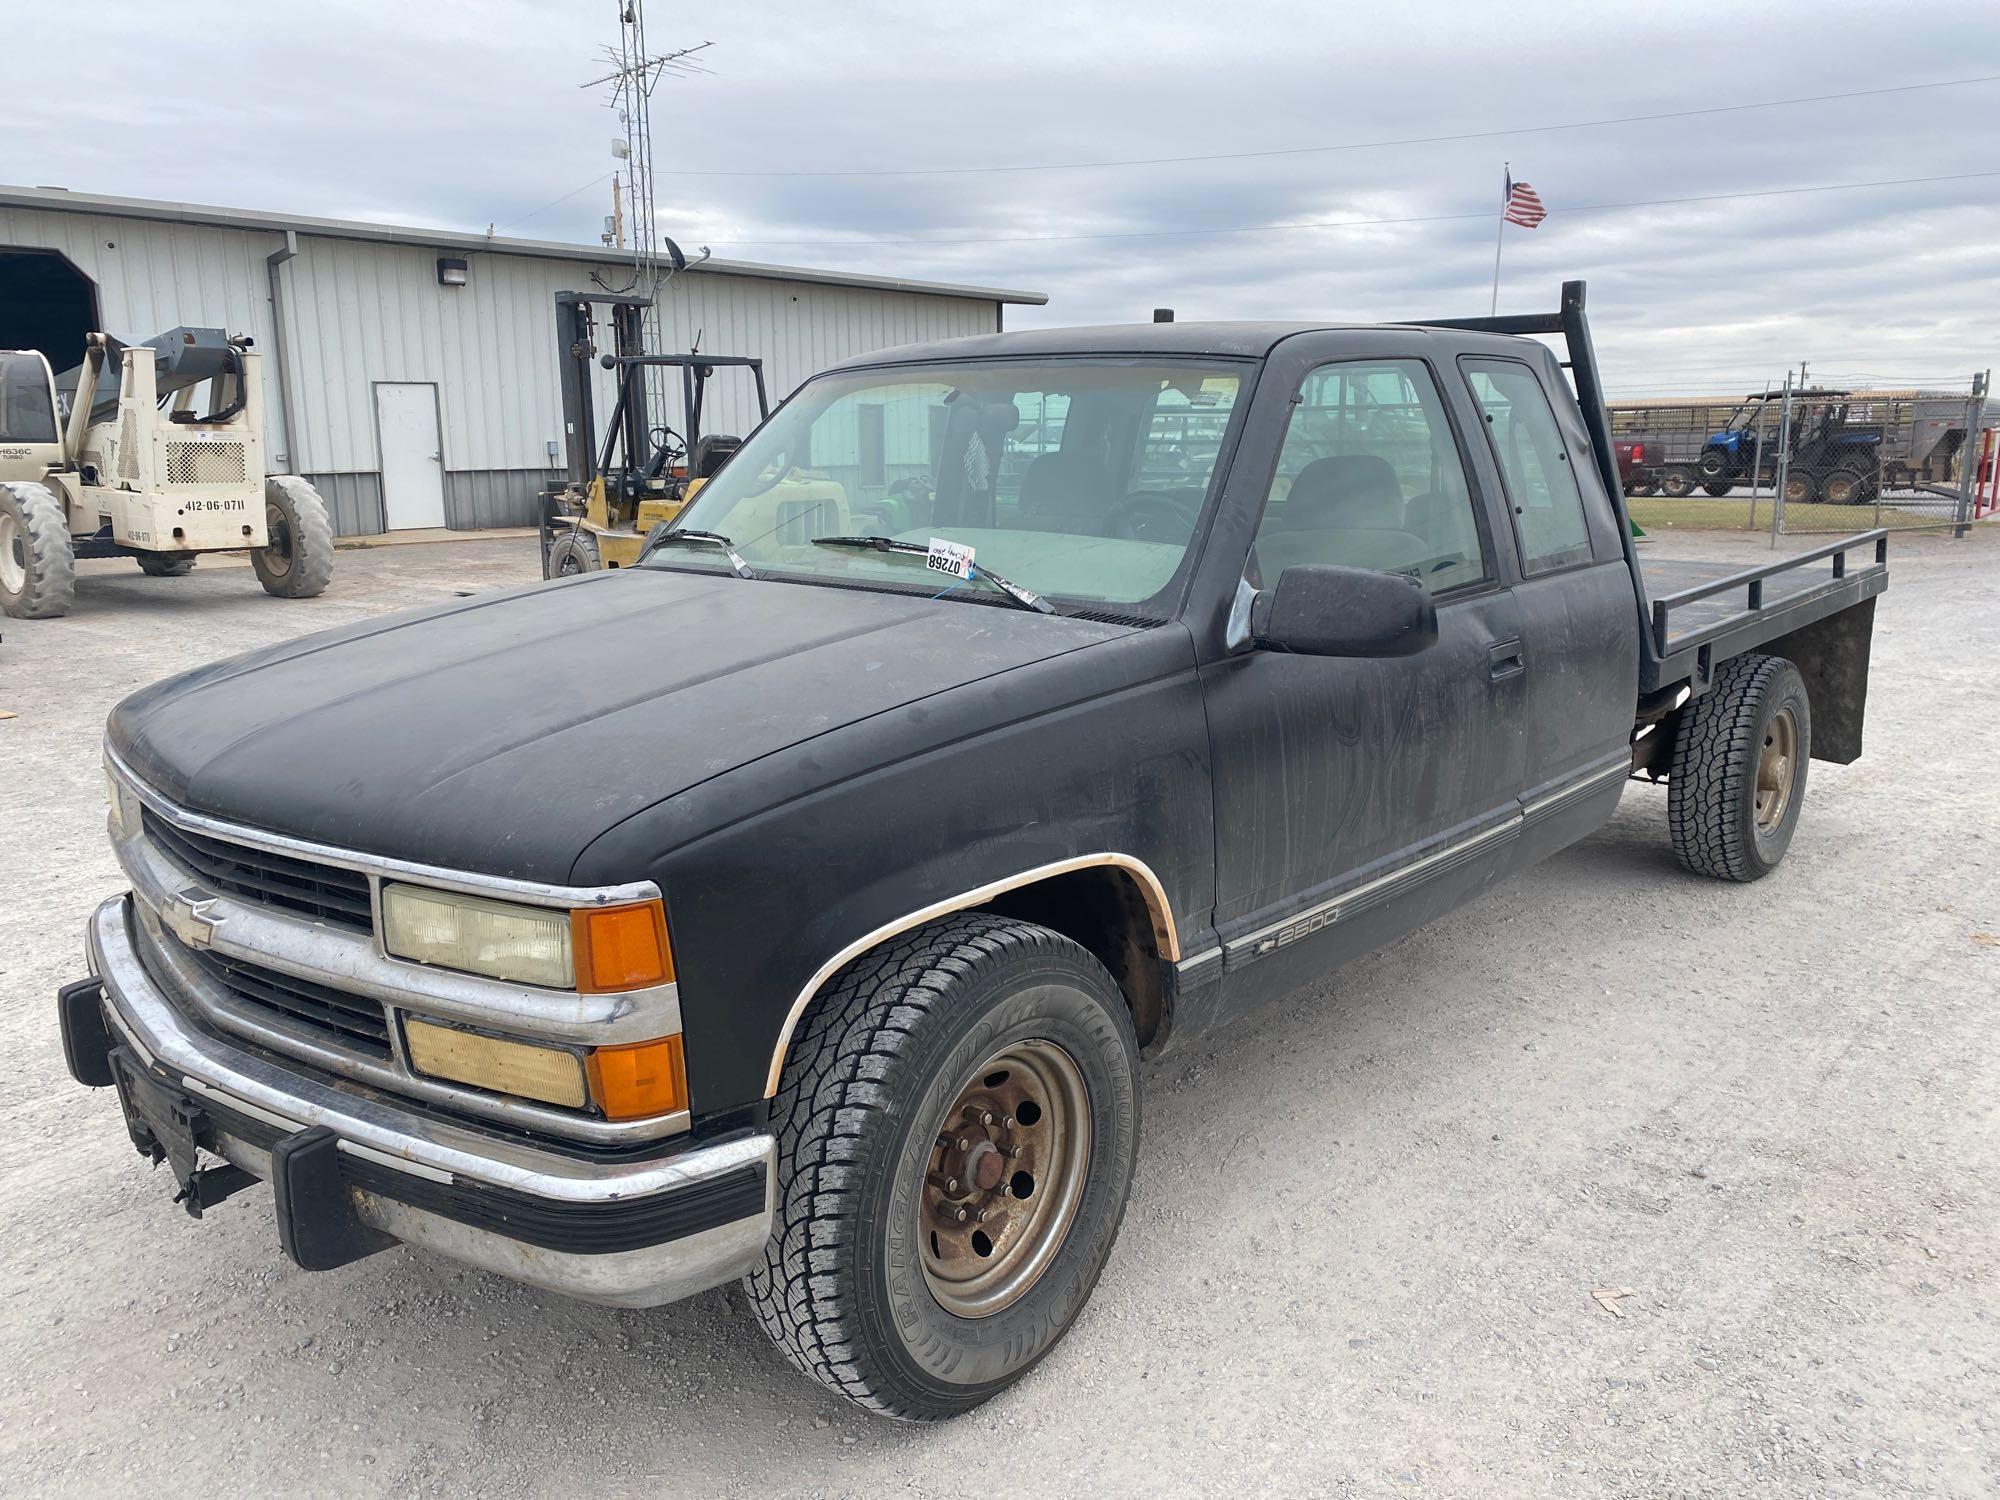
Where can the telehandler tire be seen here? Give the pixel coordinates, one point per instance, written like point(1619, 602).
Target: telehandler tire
point(164, 565)
point(298, 561)
point(1738, 776)
point(37, 562)
point(958, 1120)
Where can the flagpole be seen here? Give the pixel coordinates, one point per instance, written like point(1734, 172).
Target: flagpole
point(1500, 233)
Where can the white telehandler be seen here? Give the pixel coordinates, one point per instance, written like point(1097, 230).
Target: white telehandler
point(153, 451)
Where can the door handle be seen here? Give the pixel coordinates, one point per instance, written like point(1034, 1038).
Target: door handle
point(1504, 659)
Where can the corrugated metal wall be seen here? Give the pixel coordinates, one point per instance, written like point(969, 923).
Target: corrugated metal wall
point(360, 312)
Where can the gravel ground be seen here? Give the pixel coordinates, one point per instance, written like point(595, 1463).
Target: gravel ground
point(1619, 1182)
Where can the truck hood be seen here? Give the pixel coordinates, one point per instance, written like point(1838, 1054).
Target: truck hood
point(503, 734)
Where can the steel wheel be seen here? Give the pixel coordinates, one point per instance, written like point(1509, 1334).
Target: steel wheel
point(13, 555)
point(278, 549)
point(1004, 1179)
point(1776, 764)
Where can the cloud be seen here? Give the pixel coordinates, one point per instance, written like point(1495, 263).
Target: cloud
point(470, 113)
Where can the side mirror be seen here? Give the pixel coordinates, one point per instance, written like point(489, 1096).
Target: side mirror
point(1318, 609)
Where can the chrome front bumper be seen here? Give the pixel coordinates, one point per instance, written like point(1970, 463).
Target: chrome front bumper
point(558, 1220)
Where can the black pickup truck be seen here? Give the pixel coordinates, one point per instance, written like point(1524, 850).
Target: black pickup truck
point(797, 904)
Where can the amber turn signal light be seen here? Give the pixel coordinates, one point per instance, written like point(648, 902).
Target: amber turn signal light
point(621, 947)
point(648, 1078)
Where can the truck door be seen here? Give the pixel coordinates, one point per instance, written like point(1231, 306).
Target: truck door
point(1355, 799)
point(1578, 616)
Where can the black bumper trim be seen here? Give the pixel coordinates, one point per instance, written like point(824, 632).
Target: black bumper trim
point(597, 1228)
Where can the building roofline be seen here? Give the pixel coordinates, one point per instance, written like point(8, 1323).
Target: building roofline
point(62, 199)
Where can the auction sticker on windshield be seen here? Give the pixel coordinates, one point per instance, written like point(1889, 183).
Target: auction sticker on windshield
point(953, 559)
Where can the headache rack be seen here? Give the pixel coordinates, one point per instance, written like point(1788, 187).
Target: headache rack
point(1685, 632)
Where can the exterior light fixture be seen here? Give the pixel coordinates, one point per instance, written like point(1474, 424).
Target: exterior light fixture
point(451, 271)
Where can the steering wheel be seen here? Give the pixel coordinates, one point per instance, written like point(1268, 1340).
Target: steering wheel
point(1150, 516)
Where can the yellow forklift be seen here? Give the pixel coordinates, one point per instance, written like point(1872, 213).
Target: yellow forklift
point(641, 476)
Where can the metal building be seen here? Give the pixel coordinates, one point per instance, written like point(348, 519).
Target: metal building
point(413, 372)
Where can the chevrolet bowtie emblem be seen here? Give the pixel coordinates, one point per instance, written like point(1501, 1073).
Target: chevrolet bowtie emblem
point(185, 914)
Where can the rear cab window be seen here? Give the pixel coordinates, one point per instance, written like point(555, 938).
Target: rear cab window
point(1535, 464)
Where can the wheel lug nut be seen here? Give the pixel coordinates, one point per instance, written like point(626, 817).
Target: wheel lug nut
point(981, 1216)
point(986, 1117)
point(960, 1215)
point(951, 1186)
point(964, 1144)
point(1008, 1123)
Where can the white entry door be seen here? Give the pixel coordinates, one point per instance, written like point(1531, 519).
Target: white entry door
point(406, 415)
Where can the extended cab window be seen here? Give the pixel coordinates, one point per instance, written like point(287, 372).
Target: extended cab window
point(1370, 477)
point(1541, 485)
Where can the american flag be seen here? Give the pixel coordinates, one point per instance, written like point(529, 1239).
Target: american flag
point(1524, 207)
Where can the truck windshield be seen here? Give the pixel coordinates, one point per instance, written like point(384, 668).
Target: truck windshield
point(1079, 479)
point(27, 408)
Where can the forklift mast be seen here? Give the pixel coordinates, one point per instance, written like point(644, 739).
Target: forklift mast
point(576, 335)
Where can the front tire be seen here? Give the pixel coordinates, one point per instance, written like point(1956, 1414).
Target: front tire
point(1738, 777)
point(297, 561)
point(37, 562)
point(1677, 481)
point(1719, 488)
point(571, 552)
point(958, 1122)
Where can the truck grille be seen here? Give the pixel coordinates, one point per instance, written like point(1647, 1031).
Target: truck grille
point(353, 1022)
point(326, 892)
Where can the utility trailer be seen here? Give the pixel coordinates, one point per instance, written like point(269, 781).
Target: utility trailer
point(1847, 447)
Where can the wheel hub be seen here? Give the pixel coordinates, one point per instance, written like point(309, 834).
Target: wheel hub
point(278, 544)
point(13, 559)
point(1777, 765)
point(1004, 1177)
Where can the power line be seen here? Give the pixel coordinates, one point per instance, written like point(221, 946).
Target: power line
point(554, 201)
point(1581, 208)
point(1415, 140)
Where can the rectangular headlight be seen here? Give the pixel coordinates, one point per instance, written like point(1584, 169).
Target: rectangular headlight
point(527, 944)
point(490, 1062)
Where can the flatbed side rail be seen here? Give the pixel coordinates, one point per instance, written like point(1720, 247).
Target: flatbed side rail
point(1752, 581)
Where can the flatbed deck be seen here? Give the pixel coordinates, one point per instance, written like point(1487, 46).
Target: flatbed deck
point(1702, 613)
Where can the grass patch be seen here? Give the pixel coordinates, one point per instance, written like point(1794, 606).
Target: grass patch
point(1732, 513)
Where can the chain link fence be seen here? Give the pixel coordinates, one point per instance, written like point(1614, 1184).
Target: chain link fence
point(1807, 460)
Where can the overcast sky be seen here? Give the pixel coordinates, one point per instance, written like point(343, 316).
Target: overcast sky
point(465, 114)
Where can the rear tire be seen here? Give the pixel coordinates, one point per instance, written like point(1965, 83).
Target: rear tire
point(1801, 489)
point(297, 563)
point(164, 564)
point(871, 1284)
point(1738, 777)
point(1677, 481)
point(1844, 487)
point(37, 562)
point(1719, 488)
point(1713, 465)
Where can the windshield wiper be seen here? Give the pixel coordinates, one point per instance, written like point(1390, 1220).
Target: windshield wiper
point(1019, 596)
point(715, 539)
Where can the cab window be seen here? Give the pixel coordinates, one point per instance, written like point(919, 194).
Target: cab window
point(1541, 484)
point(1370, 477)
point(27, 409)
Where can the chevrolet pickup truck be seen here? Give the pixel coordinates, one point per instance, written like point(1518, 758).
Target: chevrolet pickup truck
point(797, 904)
